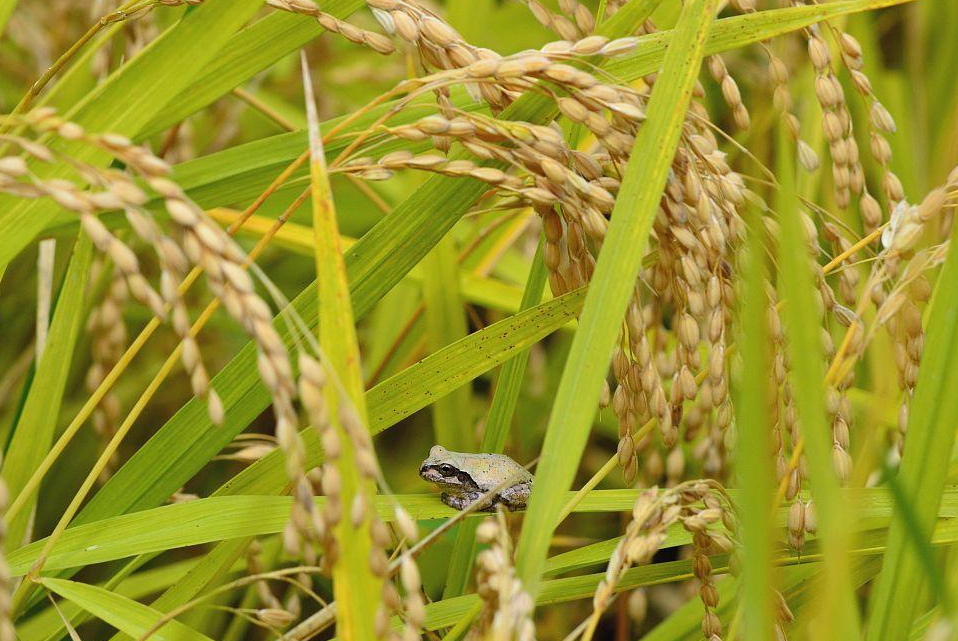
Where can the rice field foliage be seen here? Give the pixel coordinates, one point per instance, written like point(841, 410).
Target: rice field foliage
point(688, 263)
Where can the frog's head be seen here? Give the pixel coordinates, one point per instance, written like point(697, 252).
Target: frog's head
point(447, 470)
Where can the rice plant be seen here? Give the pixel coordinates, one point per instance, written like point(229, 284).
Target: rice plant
point(495, 320)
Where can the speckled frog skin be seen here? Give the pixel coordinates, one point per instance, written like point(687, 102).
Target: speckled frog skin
point(463, 478)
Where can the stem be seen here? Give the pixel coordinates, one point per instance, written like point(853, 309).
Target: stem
point(263, 108)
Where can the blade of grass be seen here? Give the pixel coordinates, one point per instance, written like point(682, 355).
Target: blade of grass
point(242, 172)
point(205, 574)
point(921, 543)
point(356, 588)
point(938, 615)
point(802, 319)
point(121, 612)
point(275, 36)
point(498, 420)
point(25, 592)
point(445, 324)
point(37, 423)
point(874, 510)
point(447, 612)
point(921, 477)
point(599, 553)
point(611, 287)
point(752, 461)
point(114, 584)
point(221, 518)
point(136, 586)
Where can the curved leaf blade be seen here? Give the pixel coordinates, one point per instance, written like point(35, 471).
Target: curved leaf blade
point(611, 286)
point(121, 612)
point(38, 420)
point(356, 588)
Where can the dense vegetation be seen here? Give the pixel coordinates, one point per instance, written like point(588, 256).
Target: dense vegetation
point(687, 262)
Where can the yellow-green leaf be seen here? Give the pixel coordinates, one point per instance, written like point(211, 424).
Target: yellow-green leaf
point(356, 588)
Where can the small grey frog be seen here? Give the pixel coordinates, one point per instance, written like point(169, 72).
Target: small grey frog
point(463, 478)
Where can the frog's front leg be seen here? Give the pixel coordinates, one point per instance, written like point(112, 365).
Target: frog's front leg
point(460, 501)
point(516, 497)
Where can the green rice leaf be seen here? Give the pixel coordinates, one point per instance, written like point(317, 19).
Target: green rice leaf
point(753, 465)
point(121, 612)
point(137, 586)
point(802, 319)
point(802, 316)
point(37, 423)
point(225, 517)
point(921, 477)
point(739, 31)
point(221, 518)
point(241, 172)
point(611, 287)
point(685, 624)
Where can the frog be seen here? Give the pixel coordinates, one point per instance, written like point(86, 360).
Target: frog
point(463, 478)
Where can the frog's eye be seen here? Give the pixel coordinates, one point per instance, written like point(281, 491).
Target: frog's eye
point(447, 470)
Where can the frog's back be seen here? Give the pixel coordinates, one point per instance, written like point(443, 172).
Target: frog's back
point(489, 470)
